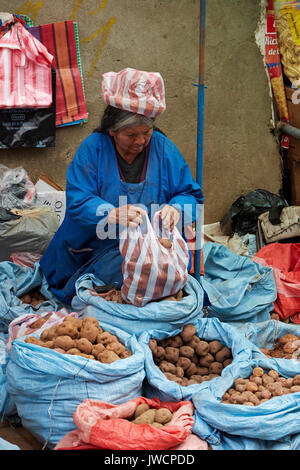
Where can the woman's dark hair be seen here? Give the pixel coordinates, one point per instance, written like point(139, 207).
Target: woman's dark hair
point(116, 119)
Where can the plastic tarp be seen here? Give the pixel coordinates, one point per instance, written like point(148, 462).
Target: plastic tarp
point(15, 281)
point(271, 425)
point(47, 386)
point(238, 288)
point(165, 315)
point(208, 329)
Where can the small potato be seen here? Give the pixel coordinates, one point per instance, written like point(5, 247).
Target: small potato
point(97, 348)
point(258, 372)
point(62, 351)
point(205, 361)
point(289, 338)
point(266, 379)
point(38, 323)
point(26, 299)
point(90, 321)
point(84, 345)
point(188, 332)
point(202, 348)
point(145, 418)
point(251, 386)
point(192, 370)
point(274, 374)
point(223, 354)
point(73, 351)
point(165, 242)
point(202, 371)
point(295, 388)
point(240, 387)
point(192, 382)
point(166, 366)
point(197, 378)
point(172, 354)
point(248, 403)
point(215, 346)
point(63, 342)
point(186, 351)
point(152, 344)
point(51, 332)
point(107, 357)
point(163, 416)
point(179, 372)
point(256, 380)
point(117, 347)
point(33, 340)
point(66, 329)
point(140, 409)
point(296, 380)
point(216, 368)
point(47, 344)
point(184, 363)
point(193, 342)
point(173, 377)
point(157, 425)
point(159, 354)
point(184, 382)
point(240, 380)
point(266, 394)
point(105, 338)
point(125, 354)
point(175, 342)
point(226, 396)
point(44, 335)
point(289, 382)
point(289, 348)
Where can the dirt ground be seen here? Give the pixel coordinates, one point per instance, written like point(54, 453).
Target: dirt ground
point(19, 436)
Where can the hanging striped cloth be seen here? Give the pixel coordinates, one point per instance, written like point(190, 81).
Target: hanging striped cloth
point(60, 40)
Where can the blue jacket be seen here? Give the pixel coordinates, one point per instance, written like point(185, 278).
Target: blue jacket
point(93, 189)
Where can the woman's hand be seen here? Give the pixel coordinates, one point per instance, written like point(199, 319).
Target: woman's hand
point(170, 217)
point(128, 216)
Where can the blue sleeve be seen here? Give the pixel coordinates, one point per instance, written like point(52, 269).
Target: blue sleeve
point(84, 205)
point(184, 191)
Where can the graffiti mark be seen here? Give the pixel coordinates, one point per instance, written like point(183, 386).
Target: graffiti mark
point(30, 9)
point(79, 2)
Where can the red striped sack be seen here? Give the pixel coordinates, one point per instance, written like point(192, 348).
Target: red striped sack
point(150, 270)
point(135, 90)
point(25, 70)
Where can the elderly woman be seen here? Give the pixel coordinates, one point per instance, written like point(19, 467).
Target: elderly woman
point(118, 173)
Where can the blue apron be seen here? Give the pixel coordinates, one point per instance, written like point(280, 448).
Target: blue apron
point(93, 178)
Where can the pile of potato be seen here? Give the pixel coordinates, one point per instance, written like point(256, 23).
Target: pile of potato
point(115, 296)
point(156, 417)
point(33, 298)
point(285, 348)
point(261, 386)
point(187, 359)
point(82, 337)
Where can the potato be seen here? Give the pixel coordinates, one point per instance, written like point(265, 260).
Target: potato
point(77, 322)
point(258, 372)
point(256, 380)
point(248, 403)
point(97, 348)
point(47, 344)
point(295, 388)
point(184, 382)
point(165, 242)
point(179, 372)
point(240, 387)
point(33, 340)
point(188, 332)
point(107, 357)
point(192, 382)
point(191, 370)
point(202, 348)
point(117, 347)
point(159, 353)
point(44, 335)
point(193, 342)
point(289, 338)
point(90, 321)
point(266, 379)
point(163, 416)
point(152, 345)
point(195, 359)
point(73, 351)
point(125, 354)
point(289, 348)
point(202, 371)
point(186, 351)
point(62, 351)
point(197, 378)
point(240, 380)
point(51, 333)
point(215, 368)
point(156, 425)
point(223, 354)
point(171, 354)
point(84, 345)
point(251, 386)
point(38, 323)
point(173, 377)
point(215, 346)
point(266, 394)
point(140, 409)
point(227, 362)
point(274, 374)
point(206, 377)
point(64, 342)
point(205, 361)
point(145, 418)
point(175, 342)
point(66, 329)
point(105, 338)
point(184, 363)
point(26, 299)
point(166, 366)
point(296, 380)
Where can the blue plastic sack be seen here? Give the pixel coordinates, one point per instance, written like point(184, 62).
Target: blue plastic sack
point(165, 315)
point(15, 281)
point(238, 288)
point(208, 329)
point(5, 445)
point(47, 386)
point(3, 363)
point(273, 420)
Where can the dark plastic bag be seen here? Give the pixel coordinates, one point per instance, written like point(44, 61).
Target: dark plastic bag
point(243, 214)
point(29, 127)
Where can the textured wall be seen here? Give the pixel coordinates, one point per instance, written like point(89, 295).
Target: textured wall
point(239, 152)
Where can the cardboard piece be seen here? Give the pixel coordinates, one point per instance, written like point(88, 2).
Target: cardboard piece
point(51, 194)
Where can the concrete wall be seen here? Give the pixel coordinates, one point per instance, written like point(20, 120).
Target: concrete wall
point(240, 154)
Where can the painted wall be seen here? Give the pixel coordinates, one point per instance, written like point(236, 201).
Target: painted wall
point(240, 154)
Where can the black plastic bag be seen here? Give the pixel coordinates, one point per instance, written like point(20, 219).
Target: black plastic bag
point(29, 127)
point(244, 212)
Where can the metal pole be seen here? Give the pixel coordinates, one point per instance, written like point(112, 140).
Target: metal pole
point(201, 90)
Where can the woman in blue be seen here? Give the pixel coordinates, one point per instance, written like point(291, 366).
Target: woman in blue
point(124, 168)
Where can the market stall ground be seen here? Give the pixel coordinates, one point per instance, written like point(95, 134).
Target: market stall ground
point(19, 436)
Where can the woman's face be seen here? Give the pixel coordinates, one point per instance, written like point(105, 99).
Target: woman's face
point(132, 140)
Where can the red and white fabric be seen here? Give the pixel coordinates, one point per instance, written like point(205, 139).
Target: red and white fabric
point(101, 425)
point(135, 90)
point(151, 271)
point(25, 70)
point(284, 258)
point(24, 325)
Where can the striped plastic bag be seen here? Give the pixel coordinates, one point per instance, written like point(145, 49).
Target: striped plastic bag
point(152, 271)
